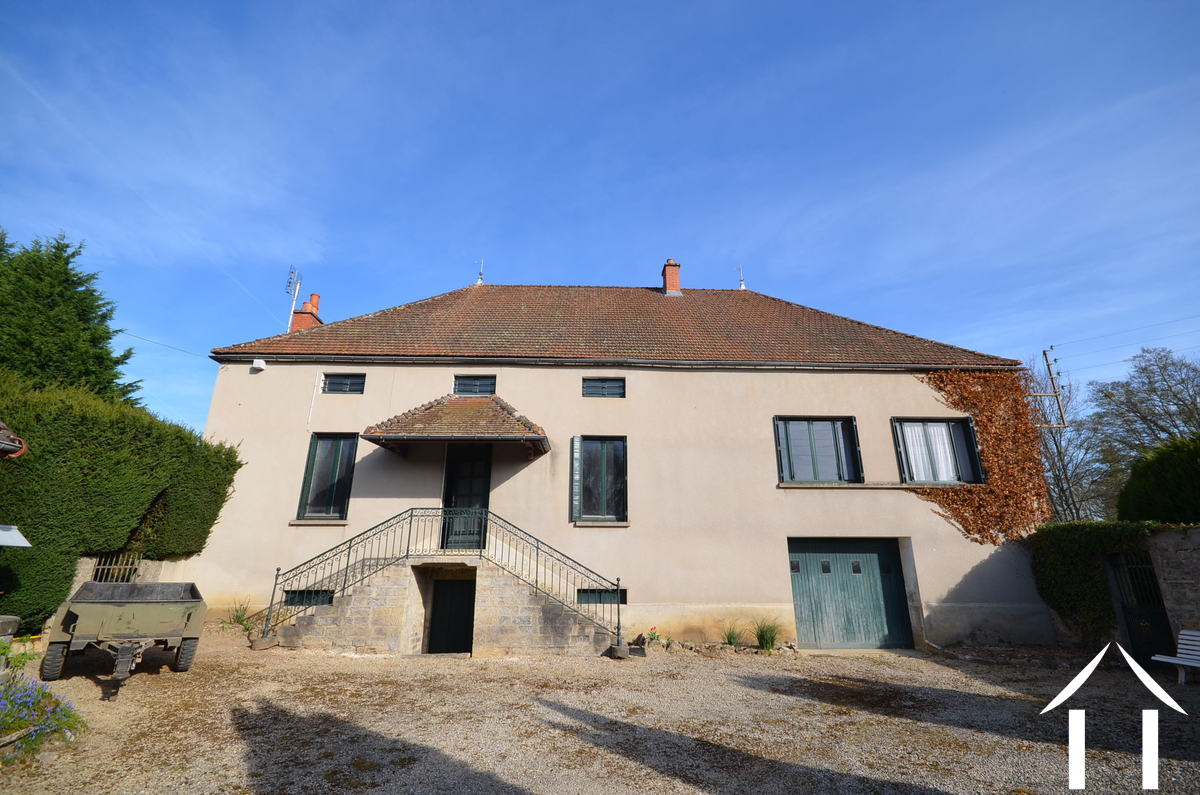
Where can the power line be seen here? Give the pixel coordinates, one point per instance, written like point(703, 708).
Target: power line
point(156, 342)
point(1125, 331)
point(1119, 361)
point(1128, 344)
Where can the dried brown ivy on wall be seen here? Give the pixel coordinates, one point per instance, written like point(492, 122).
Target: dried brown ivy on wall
point(1013, 501)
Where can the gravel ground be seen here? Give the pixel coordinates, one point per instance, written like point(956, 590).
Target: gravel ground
point(309, 721)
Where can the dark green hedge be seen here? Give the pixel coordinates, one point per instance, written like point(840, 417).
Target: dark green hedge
point(1068, 568)
point(1164, 485)
point(99, 477)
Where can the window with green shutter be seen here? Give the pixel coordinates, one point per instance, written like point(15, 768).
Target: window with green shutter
point(604, 387)
point(474, 384)
point(344, 383)
point(325, 493)
point(598, 479)
point(817, 450)
point(601, 596)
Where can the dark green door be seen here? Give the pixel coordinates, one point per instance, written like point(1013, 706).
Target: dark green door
point(465, 495)
point(452, 622)
point(849, 594)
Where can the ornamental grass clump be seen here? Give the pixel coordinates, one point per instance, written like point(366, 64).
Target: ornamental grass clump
point(766, 633)
point(31, 711)
point(732, 634)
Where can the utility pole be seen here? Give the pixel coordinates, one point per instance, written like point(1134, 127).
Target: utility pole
point(1056, 394)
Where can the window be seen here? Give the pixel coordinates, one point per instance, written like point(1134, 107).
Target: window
point(327, 477)
point(308, 597)
point(604, 387)
point(817, 450)
point(344, 383)
point(937, 451)
point(600, 596)
point(598, 479)
point(474, 384)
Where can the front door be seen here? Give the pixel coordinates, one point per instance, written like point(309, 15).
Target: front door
point(452, 622)
point(849, 594)
point(465, 495)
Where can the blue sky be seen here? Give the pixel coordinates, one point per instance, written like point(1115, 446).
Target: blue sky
point(1001, 176)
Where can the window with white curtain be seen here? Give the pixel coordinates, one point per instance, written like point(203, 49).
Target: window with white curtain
point(937, 451)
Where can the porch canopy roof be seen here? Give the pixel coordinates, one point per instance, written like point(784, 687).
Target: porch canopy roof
point(457, 418)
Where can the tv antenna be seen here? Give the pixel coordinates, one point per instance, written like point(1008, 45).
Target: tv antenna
point(479, 280)
point(741, 279)
point(293, 289)
point(1056, 394)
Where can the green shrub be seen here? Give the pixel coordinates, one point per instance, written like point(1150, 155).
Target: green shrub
point(766, 633)
point(100, 476)
point(1164, 485)
point(1069, 570)
point(732, 634)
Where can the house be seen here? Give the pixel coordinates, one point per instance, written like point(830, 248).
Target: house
point(474, 471)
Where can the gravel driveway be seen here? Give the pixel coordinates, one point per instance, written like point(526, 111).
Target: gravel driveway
point(309, 721)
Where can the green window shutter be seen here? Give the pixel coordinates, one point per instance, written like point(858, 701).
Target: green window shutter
point(900, 460)
point(781, 450)
point(576, 479)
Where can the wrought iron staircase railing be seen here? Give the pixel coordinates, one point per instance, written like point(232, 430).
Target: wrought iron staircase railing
point(440, 533)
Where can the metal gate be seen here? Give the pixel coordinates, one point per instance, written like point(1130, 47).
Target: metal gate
point(1141, 614)
point(849, 594)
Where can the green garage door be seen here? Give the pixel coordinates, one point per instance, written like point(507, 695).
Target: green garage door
point(849, 594)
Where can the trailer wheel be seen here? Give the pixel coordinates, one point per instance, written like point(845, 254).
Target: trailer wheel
point(185, 654)
point(53, 661)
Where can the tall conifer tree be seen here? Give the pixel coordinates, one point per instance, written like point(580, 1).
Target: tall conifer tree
point(54, 323)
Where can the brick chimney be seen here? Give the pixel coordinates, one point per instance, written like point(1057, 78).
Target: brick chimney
point(306, 316)
point(670, 274)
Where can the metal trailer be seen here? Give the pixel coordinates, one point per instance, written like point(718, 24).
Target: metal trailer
point(125, 619)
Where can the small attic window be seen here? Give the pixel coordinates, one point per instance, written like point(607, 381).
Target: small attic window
point(474, 384)
point(604, 387)
point(344, 383)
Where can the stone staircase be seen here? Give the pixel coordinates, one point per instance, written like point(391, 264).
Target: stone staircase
point(388, 612)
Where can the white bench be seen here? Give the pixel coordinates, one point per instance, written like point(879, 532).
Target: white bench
point(1189, 654)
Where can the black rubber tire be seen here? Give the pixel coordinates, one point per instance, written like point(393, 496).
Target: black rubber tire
point(53, 661)
point(185, 653)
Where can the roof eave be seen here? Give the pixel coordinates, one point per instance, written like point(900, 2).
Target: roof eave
point(541, 443)
point(228, 357)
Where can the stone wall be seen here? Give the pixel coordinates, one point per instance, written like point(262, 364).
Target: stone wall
point(390, 613)
point(1176, 556)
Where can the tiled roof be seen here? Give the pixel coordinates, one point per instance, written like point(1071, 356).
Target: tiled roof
point(614, 324)
point(458, 417)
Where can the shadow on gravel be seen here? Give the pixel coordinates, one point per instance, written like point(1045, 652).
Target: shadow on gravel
point(290, 751)
point(1113, 710)
point(710, 766)
point(96, 666)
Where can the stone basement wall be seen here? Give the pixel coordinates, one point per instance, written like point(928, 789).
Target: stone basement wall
point(1176, 556)
point(390, 613)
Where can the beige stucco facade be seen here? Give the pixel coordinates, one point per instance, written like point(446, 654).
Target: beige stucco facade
point(706, 539)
